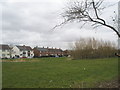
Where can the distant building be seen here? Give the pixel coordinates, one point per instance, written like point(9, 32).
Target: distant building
point(55, 52)
point(46, 52)
point(22, 52)
point(66, 53)
point(40, 52)
point(16, 51)
point(5, 51)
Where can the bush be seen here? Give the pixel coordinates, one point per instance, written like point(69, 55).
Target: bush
point(93, 48)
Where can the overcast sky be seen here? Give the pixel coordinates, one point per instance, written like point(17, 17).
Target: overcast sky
point(30, 22)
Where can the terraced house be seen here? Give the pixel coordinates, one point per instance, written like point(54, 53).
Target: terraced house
point(22, 52)
point(55, 52)
point(45, 52)
point(39, 52)
point(5, 51)
point(17, 51)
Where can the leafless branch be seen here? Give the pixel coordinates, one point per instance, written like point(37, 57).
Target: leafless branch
point(80, 11)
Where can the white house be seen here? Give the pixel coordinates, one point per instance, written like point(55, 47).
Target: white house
point(5, 51)
point(22, 52)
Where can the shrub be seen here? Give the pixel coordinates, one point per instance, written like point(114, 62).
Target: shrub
point(93, 48)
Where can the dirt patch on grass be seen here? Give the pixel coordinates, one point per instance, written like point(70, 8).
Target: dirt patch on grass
point(19, 60)
point(108, 84)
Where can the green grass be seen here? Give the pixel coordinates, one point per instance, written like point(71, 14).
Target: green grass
point(58, 73)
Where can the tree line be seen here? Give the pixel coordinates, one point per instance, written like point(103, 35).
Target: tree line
point(92, 48)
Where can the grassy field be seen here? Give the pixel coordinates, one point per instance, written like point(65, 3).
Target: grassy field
point(58, 73)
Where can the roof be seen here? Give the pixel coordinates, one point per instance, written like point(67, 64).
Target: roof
point(42, 49)
point(4, 47)
point(28, 48)
point(54, 50)
point(48, 49)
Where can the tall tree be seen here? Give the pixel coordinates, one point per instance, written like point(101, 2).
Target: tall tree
point(86, 11)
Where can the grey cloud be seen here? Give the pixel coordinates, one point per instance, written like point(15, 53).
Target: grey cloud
point(31, 24)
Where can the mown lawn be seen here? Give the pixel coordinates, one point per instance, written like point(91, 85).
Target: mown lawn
point(58, 73)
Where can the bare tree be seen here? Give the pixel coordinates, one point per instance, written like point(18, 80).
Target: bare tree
point(93, 48)
point(86, 11)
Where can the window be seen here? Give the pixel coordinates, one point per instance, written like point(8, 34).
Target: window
point(3, 55)
point(28, 53)
point(24, 52)
point(7, 50)
point(3, 50)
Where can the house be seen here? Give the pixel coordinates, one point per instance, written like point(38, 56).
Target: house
point(22, 52)
point(67, 53)
point(55, 52)
point(5, 51)
point(47, 52)
point(40, 52)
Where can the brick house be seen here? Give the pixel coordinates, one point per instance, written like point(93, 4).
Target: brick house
point(66, 53)
point(55, 52)
point(45, 52)
point(40, 52)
